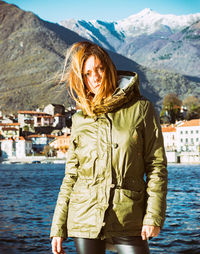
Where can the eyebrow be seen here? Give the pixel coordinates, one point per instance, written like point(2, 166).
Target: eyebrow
point(98, 66)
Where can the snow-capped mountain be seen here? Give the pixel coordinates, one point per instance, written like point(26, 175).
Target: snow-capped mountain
point(141, 37)
point(148, 22)
point(145, 22)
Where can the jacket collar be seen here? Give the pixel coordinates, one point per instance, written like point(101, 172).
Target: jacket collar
point(127, 89)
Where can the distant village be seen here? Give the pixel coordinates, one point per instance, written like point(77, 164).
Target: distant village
point(36, 133)
point(45, 133)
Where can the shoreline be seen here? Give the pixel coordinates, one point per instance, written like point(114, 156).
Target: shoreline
point(32, 160)
point(54, 160)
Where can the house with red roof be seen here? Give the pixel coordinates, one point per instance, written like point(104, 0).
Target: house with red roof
point(34, 119)
point(188, 136)
point(9, 130)
point(182, 141)
point(169, 136)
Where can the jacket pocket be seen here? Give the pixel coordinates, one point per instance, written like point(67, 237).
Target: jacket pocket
point(128, 208)
point(82, 212)
point(124, 196)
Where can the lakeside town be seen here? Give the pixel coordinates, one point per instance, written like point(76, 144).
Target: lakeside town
point(42, 136)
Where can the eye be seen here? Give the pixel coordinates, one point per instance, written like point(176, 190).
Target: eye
point(101, 68)
point(87, 74)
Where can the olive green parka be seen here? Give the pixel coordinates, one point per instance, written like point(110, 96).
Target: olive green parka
point(116, 177)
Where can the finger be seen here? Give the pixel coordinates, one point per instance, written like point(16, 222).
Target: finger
point(155, 232)
point(54, 246)
point(148, 233)
point(59, 245)
point(144, 236)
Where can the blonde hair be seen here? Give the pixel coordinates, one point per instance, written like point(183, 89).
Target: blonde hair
point(73, 75)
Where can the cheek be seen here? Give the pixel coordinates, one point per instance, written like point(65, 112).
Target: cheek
point(89, 82)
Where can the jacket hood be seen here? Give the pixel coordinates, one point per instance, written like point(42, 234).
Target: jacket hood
point(127, 89)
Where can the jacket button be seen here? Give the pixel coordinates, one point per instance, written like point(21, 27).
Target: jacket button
point(112, 185)
point(115, 145)
point(103, 224)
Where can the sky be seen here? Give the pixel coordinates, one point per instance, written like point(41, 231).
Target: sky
point(107, 10)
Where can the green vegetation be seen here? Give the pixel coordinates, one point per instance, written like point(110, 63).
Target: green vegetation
point(173, 109)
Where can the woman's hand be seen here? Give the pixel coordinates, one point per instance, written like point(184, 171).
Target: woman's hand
point(149, 231)
point(56, 244)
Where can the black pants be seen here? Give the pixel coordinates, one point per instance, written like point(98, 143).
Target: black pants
point(124, 245)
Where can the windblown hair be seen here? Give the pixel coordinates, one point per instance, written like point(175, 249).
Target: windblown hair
point(73, 75)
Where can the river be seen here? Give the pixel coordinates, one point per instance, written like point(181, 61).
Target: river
point(28, 194)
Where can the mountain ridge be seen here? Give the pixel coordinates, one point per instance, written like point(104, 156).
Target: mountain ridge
point(32, 57)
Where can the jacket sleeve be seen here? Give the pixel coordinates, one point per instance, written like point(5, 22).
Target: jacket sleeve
point(59, 222)
point(156, 169)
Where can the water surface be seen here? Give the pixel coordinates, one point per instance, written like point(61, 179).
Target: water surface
point(28, 194)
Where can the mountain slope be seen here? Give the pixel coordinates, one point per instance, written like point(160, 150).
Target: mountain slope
point(175, 52)
point(32, 55)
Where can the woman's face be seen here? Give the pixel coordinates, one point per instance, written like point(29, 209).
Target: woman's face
point(93, 71)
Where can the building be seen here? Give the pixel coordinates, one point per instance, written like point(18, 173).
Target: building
point(169, 136)
point(40, 141)
point(57, 111)
point(34, 119)
point(15, 148)
point(9, 130)
point(53, 109)
point(59, 121)
point(61, 144)
point(182, 141)
point(188, 136)
point(23, 147)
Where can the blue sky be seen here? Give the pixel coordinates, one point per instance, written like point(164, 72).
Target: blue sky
point(109, 10)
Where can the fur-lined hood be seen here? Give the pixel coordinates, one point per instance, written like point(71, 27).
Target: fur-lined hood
point(127, 89)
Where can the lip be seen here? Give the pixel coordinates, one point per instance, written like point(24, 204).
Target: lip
point(98, 85)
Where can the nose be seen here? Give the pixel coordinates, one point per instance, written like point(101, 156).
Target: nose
point(96, 76)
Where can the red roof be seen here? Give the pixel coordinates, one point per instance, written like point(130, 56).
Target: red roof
point(10, 129)
point(58, 114)
point(193, 122)
point(169, 128)
point(41, 136)
point(20, 138)
point(9, 124)
point(48, 116)
point(16, 139)
point(32, 113)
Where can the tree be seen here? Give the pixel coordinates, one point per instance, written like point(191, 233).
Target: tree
point(171, 107)
point(192, 104)
point(26, 128)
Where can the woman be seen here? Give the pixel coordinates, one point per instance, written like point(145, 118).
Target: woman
point(116, 139)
